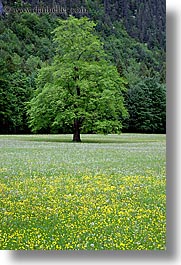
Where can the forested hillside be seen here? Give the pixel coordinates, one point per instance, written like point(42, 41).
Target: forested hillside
point(133, 36)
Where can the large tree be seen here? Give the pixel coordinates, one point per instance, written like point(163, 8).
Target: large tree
point(80, 88)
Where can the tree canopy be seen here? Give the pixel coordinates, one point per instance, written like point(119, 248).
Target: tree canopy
point(132, 34)
point(80, 88)
point(146, 104)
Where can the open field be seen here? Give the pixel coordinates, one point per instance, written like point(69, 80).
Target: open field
point(108, 192)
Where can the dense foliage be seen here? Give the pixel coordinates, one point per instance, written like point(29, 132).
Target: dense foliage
point(146, 106)
point(133, 35)
point(25, 43)
point(80, 88)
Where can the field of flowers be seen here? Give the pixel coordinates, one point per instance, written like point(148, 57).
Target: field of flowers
point(106, 193)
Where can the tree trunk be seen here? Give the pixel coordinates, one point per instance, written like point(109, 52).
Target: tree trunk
point(76, 136)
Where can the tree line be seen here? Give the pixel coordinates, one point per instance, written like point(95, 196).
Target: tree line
point(28, 55)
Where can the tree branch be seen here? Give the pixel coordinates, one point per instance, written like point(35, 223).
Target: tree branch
point(80, 54)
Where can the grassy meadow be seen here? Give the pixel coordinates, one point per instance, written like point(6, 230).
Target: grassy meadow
point(106, 193)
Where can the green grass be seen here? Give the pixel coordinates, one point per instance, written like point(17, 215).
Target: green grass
point(108, 192)
point(89, 138)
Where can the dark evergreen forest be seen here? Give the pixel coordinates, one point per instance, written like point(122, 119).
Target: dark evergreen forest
point(134, 38)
